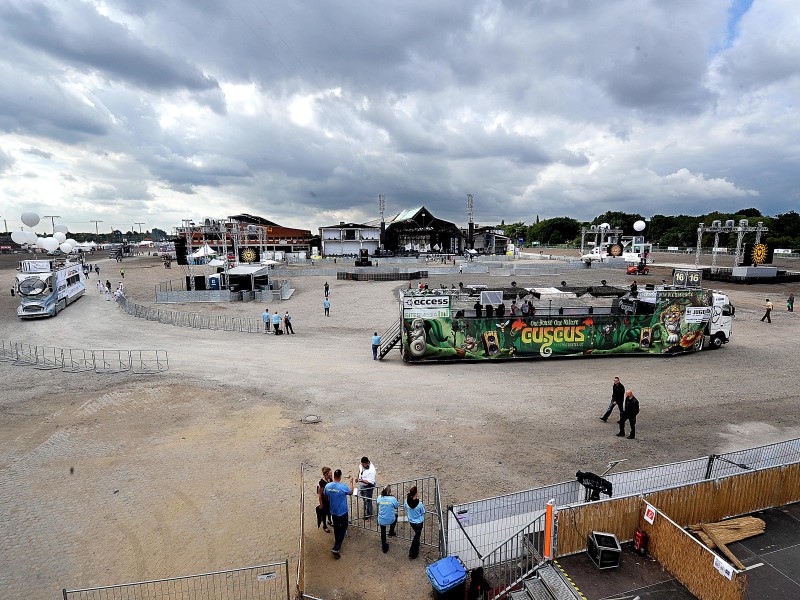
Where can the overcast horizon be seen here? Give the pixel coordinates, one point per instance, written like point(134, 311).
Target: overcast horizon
point(128, 111)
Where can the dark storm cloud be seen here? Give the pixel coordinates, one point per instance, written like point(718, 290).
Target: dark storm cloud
point(306, 111)
point(82, 36)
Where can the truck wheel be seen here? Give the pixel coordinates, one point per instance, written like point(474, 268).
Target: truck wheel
point(717, 341)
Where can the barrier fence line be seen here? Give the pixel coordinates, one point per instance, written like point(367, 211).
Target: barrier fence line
point(269, 581)
point(75, 360)
point(191, 320)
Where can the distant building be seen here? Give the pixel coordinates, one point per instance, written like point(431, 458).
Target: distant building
point(349, 239)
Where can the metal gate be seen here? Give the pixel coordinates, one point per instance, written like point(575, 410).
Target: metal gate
point(269, 581)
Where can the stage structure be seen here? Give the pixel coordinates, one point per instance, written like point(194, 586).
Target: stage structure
point(417, 230)
point(759, 252)
point(602, 234)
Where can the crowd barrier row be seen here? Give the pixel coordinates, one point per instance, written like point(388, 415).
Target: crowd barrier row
point(193, 320)
point(75, 360)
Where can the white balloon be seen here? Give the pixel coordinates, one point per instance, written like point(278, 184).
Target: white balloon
point(66, 247)
point(605, 226)
point(32, 237)
point(50, 244)
point(19, 237)
point(73, 242)
point(61, 229)
point(31, 219)
point(60, 236)
point(639, 225)
point(39, 242)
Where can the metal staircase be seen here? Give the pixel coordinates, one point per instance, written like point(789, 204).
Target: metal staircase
point(546, 584)
point(390, 338)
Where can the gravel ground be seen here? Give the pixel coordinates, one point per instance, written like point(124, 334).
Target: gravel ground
point(121, 477)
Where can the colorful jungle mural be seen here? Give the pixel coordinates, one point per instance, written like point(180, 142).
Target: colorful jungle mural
point(664, 326)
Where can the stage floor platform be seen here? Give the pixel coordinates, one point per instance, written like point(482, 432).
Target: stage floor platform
point(772, 559)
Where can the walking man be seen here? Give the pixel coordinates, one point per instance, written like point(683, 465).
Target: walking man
point(629, 414)
point(287, 323)
point(327, 306)
point(366, 477)
point(376, 345)
point(790, 303)
point(327, 289)
point(122, 272)
point(768, 307)
point(266, 318)
point(617, 398)
point(97, 269)
point(337, 493)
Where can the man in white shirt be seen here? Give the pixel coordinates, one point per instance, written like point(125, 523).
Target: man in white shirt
point(366, 480)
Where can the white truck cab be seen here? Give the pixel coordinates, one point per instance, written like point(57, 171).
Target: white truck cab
point(720, 325)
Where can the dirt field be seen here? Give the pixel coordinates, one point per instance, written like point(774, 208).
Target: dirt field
point(198, 469)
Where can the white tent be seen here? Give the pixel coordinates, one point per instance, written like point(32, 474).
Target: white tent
point(204, 251)
point(216, 262)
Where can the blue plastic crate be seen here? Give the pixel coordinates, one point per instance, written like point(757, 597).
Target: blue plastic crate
point(446, 573)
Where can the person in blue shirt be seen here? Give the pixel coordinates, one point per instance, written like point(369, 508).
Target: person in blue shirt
point(376, 344)
point(266, 319)
point(415, 512)
point(387, 515)
point(276, 322)
point(327, 306)
point(337, 493)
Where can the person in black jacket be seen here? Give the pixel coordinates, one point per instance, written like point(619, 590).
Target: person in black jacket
point(629, 414)
point(617, 399)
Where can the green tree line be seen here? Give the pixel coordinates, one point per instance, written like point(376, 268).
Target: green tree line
point(661, 230)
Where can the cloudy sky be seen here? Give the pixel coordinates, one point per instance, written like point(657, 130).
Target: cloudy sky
point(305, 111)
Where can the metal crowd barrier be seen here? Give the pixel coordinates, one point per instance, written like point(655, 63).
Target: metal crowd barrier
point(193, 320)
point(74, 360)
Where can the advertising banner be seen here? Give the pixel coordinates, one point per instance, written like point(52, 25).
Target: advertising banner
point(667, 328)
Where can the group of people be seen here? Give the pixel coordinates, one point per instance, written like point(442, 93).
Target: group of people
point(106, 290)
point(768, 306)
point(628, 408)
point(276, 320)
point(332, 509)
point(88, 268)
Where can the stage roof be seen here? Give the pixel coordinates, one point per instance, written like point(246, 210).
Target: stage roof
point(252, 270)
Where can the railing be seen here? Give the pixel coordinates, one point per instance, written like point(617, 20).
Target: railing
point(514, 559)
point(269, 581)
point(74, 360)
point(428, 493)
point(300, 581)
point(391, 336)
point(480, 526)
point(193, 320)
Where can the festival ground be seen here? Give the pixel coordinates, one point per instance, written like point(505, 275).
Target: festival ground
point(121, 477)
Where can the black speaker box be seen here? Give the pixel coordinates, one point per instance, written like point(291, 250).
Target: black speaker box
point(604, 550)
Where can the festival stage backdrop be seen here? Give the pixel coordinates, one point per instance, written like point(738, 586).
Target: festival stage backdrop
point(676, 326)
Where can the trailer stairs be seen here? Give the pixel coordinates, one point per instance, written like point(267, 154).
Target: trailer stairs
point(390, 338)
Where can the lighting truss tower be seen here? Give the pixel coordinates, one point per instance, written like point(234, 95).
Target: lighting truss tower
point(716, 228)
point(470, 222)
point(382, 209)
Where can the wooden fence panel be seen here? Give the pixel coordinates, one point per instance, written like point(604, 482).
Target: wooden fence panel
point(690, 561)
point(704, 502)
